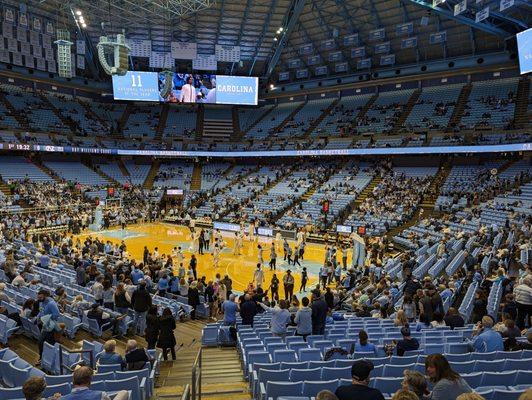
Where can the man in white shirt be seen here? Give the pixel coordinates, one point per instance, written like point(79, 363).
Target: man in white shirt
point(188, 91)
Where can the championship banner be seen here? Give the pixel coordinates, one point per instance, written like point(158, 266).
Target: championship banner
point(29, 61)
point(140, 48)
point(328, 44)
point(321, 70)
point(404, 29)
point(364, 64)
point(184, 50)
point(50, 28)
point(382, 48)
point(302, 73)
point(9, 15)
point(80, 47)
point(358, 52)
point(314, 60)
point(376, 34)
point(161, 60)
point(80, 62)
point(388, 59)
point(227, 53)
point(22, 34)
point(505, 4)
point(409, 43)
point(438, 37)
point(340, 67)
point(205, 62)
point(7, 31)
point(460, 7)
point(350, 40)
point(482, 14)
point(335, 56)
point(37, 26)
point(284, 76)
point(306, 49)
point(294, 63)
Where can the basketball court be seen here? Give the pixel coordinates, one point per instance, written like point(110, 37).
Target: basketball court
point(239, 267)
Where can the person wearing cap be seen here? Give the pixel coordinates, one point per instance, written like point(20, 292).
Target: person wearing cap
point(408, 343)
point(359, 389)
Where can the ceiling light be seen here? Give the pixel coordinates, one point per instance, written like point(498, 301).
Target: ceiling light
point(281, 28)
point(84, 25)
point(272, 86)
point(275, 39)
point(78, 12)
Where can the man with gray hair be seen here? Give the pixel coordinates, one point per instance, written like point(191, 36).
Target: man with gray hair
point(230, 308)
point(485, 338)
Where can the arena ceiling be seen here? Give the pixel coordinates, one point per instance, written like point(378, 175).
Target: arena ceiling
point(254, 25)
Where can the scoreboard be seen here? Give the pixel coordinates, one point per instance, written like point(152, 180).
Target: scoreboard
point(139, 86)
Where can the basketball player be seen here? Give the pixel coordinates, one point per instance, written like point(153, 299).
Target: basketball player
point(273, 257)
point(279, 241)
point(260, 255)
point(258, 276)
point(238, 242)
point(216, 255)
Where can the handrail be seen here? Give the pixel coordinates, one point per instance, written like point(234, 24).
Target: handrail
point(186, 393)
point(196, 377)
point(61, 365)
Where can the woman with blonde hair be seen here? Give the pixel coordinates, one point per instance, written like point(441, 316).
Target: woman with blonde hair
point(470, 396)
point(400, 319)
point(404, 394)
point(415, 381)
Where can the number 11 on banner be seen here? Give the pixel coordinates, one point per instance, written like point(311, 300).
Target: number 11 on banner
point(138, 83)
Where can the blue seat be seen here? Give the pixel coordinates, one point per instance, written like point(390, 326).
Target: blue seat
point(50, 358)
point(11, 393)
point(434, 348)
point(272, 339)
point(313, 374)
point(52, 380)
point(322, 364)
point(474, 379)
point(296, 346)
point(328, 373)
point(62, 388)
point(284, 355)
point(98, 385)
point(262, 376)
point(508, 355)
point(396, 360)
point(296, 365)
point(7, 355)
point(322, 345)
point(343, 363)
point(309, 354)
point(133, 384)
point(466, 367)
point(312, 388)
point(387, 385)
point(488, 366)
point(458, 349)
point(458, 357)
point(273, 347)
point(522, 378)
point(295, 339)
point(359, 355)
point(391, 370)
point(18, 376)
point(501, 394)
point(346, 344)
point(253, 357)
point(484, 356)
point(103, 376)
point(145, 375)
point(510, 365)
point(275, 390)
point(506, 378)
point(209, 335)
point(313, 338)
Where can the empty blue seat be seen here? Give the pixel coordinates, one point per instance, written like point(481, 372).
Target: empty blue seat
point(284, 355)
point(294, 339)
point(322, 345)
point(506, 378)
point(387, 385)
point(461, 349)
point(522, 378)
point(133, 384)
point(396, 360)
point(266, 375)
point(463, 367)
point(501, 394)
point(57, 379)
point(458, 357)
point(109, 368)
point(474, 379)
point(296, 346)
point(484, 356)
point(11, 393)
point(328, 373)
point(311, 388)
point(278, 389)
point(488, 366)
point(313, 374)
point(510, 365)
point(391, 371)
point(313, 338)
point(272, 347)
point(434, 348)
point(272, 339)
point(508, 355)
point(296, 365)
point(309, 354)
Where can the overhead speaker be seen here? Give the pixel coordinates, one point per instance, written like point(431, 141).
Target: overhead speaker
point(113, 54)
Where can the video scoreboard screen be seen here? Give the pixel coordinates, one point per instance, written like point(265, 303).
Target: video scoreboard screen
point(138, 86)
point(524, 48)
point(187, 88)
